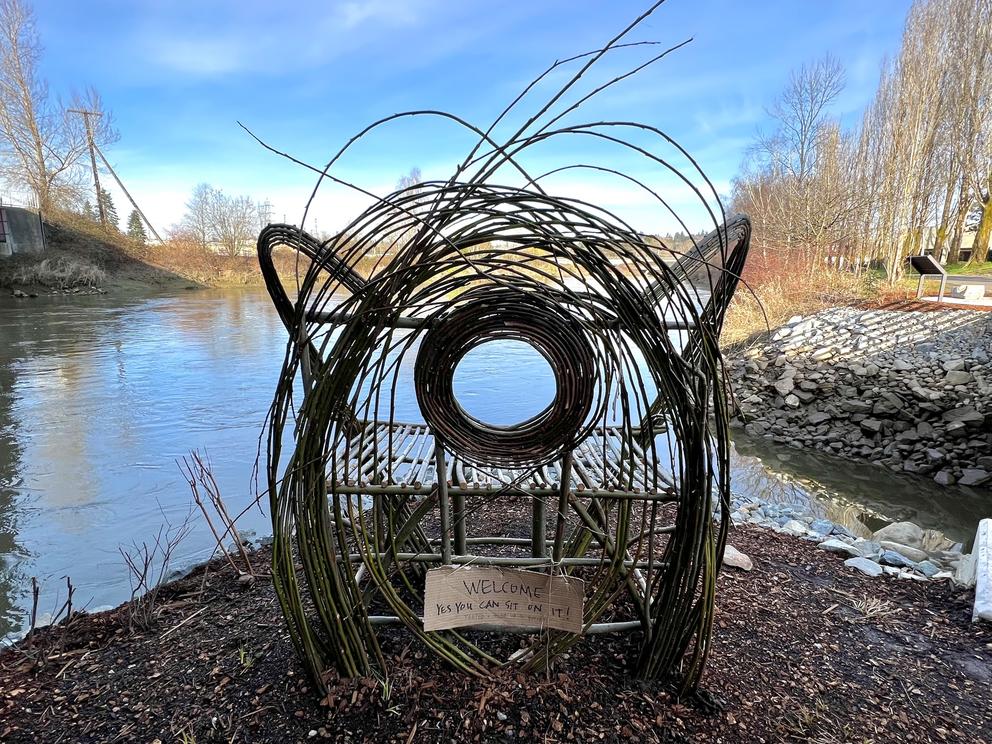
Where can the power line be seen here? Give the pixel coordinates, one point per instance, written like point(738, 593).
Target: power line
point(127, 194)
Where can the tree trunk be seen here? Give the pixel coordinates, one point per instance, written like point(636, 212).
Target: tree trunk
point(943, 227)
point(980, 248)
point(954, 254)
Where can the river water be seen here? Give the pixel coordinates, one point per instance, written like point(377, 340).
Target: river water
point(99, 396)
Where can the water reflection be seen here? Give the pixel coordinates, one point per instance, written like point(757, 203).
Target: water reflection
point(98, 397)
point(860, 496)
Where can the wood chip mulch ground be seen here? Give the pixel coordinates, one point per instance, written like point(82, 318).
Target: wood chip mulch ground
point(806, 650)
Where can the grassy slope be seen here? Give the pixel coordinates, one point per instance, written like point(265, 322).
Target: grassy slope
point(80, 255)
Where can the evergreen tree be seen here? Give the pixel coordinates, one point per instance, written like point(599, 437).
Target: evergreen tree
point(113, 221)
point(88, 212)
point(135, 227)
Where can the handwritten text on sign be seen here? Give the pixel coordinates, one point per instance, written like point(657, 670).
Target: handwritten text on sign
point(456, 596)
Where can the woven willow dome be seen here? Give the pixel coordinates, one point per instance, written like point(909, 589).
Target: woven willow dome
point(377, 473)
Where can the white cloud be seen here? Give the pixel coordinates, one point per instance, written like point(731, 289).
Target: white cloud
point(261, 41)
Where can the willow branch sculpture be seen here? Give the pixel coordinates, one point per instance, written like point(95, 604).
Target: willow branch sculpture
point(626, 470)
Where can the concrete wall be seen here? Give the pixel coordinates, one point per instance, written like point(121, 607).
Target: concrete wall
point(23, 232)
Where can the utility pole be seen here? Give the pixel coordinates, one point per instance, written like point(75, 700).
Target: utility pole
point(96, 176)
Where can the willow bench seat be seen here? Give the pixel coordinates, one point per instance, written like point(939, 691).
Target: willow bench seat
point(400, 458)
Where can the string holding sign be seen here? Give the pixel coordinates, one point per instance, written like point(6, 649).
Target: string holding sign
point(457, 596)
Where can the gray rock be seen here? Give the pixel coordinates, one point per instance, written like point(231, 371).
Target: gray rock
point(914, 554)
point(756, 429)
point(821, 526)
point(892, 558)
point(784, 386)
point(953, 365)
point(958, 378)
point(818, 417)
point(792, 401)
point(974, 477)
point(833, 545)
point(928, 568)
point(887, 403)
point(945, 478)
point(855, 406)
point(964, 415)
point(794, 527)
point(871, 425)
point(736, 559)
point(904, 533)
point(867, 548)
point(865, 566)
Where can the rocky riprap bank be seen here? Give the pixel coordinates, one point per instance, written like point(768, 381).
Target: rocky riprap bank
point(901, 549)
point(911, 391)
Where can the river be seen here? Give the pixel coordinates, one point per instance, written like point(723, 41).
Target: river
point(99, 396)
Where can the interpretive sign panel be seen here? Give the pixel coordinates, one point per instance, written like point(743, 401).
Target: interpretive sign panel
point(456, 596)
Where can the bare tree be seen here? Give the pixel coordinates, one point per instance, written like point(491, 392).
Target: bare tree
point(904, 181)
point(197, 223)
point(234, 221)
point(793, 182)
point(411, 179)
point(41, 143)
point(975, 61)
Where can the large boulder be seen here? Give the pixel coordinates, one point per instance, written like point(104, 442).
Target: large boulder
point(904, 533)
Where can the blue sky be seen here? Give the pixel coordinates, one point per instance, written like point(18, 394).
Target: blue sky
point(306, 75)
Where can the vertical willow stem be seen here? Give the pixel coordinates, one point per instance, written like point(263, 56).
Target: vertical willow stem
point(564, 486)
point(442, 492)
point(458, 504)
point(538, 548)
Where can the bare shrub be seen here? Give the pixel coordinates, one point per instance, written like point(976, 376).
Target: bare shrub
point(206, 494)
point(774, 291)
point(148, 566)
point(40, 645)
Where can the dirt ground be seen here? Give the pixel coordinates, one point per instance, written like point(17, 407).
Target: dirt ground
point(805, 650)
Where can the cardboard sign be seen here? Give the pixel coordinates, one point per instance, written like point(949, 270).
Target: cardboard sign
point(456, 596)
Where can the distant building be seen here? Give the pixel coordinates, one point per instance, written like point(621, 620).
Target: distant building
point(245, 248)
point(21, 231)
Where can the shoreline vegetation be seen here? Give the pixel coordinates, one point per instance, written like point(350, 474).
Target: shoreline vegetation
point(82, 258)
point(829, 655)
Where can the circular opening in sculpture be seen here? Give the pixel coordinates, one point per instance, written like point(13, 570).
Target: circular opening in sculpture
point(504, 383)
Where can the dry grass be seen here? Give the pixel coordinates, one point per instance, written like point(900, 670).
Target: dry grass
point(58, 272)
point(208, 268)
point(775, 292)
